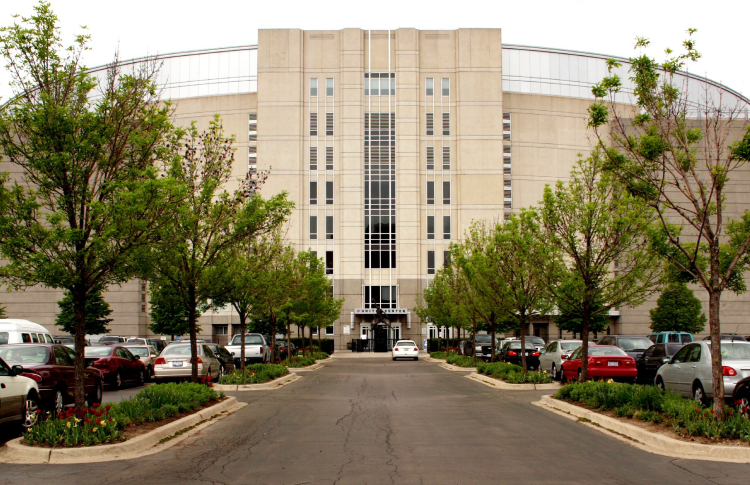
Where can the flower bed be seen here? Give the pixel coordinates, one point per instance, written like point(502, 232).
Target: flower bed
point(512, 374)
point(649, 403)
point(106, 424)
point(462, 360)
point(255, 374)
point(298, 361)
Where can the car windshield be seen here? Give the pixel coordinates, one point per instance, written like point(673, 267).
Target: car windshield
point(635, 343)
point(734, 351)
point(28, 354)
point(535, 340)
point(3, 338)
point(178, 350)
point(570, 345)
point(249, 340)
point(483, 339)
point(97, 351)
point(517, 346)
point(406, 343)
point(142, 351)
point(607, 351)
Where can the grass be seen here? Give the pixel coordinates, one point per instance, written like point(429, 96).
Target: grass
point(255, 374)
point(649, 403)
point(512, 374)
point(304, 360)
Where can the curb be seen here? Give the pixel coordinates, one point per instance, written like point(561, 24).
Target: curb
point(498, 384)
point(643, 439)
point(456, 368)
point(266, 386)
point(154, 441)
point(309, 368)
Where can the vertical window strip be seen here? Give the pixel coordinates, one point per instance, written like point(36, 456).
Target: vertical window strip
point(430, 124)
point(329, 158)
point(430, 158)
point(313, 124)
point(446, 123)
point(314, 86)
point(329, 124)
point(446, 158)
point(446, 227)
point(430, 262)
point(313, 227)
point(313, 158)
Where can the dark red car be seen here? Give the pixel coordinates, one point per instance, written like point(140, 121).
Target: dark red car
point(605, 362)
point(117, 364)
point(53, 368)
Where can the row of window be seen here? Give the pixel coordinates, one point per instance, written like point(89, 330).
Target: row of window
point(431, 192)
point(314, 227)
point(314, 124)
point(431, 227)
point(328, 261)
point(314, 192)
point(431, 158)
point(430, 124)
point(431, 260)
point(314, 158)
point(445, 86)
point(314, 86)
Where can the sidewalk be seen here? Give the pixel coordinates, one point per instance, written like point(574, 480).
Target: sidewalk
point(348, 354)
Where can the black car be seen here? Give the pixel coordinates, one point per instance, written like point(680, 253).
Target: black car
point(633, 345)
point(483, 346)
point(281, 348)
point(224, 356)
point(511, 353)
point(111, 340)
point(654, 357)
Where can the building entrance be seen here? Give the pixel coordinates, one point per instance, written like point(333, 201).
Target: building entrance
point(381, 338)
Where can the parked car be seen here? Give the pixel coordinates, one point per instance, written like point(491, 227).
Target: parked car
point(17, 331)
point(689, 371)
point(147, 354)
point(538, 342)
point(175, 362)
point(654, 357)
point(111, 340)
point(405, 349)
point(741, 396)
point(671, 337)
point(555, 353)
point(154, 342)
point(224, 356)
point(281, 348)
point(731, 337)
point(604, 362)
point(511, 353)
point(52, 366)
point(483, 346)
point(19, 396)
point(633, 345)
point(256, 348)
point(117, 364)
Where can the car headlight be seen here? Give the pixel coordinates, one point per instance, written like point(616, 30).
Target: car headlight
point(478, 347)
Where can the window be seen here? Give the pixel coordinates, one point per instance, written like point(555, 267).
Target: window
point(506, 116)
point(446, 258)
point(329, 192)
point(329, 262)
point(329, 87)
point(314, 254)
point(329, 123)
point(329, 227)
point(314, 86)
point(385, 296)
point(430, 124)
point(508, 204)
point(446, 86)
point(446, 227)
point(506, 169)
point(313, 124)
point(446, 158)
point(329, 158)
point(378, 83)
point(329, 330)
point(430, 262)
point(506, 216)
point(313, 193)
point(429, 87)
point(446, 192)
point(313, 158)
point(506, 136)
point(313, 227)
point(143, 297)
point(430, 227)
point(446, 123)
point(221, 330)
point(506, 148)
point(143, 286)
point(430, 158)
point(430, 192)
point(143, 308)
point(314, 330)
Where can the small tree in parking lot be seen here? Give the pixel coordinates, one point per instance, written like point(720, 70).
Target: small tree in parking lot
point(678, 310)
point(97, 311)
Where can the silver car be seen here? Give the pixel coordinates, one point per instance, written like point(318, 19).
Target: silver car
point(554, 353)
point(174, 362)
point(148, 355)
point(689, 371)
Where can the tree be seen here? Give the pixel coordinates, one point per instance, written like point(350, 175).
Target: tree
point(676, 152)
point(97, 311)
point(210, 222)
point(88, 201)
point(678, 310)
point(168, 313)
point(570, 319)
point(598, 230)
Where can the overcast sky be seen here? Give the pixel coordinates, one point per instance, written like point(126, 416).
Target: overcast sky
point(141, 27)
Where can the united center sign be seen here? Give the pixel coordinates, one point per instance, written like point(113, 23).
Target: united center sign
point(387, 311)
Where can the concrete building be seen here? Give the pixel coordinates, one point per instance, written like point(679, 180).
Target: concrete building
point(390, 143)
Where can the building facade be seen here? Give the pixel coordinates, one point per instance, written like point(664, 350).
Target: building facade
point(390, 143)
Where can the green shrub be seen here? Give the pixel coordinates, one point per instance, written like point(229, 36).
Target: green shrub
point(298, 361)
point(326, 344)
point(512, 374)
point(461, 360)
point(624, 411)
point(255, 374)
point(442, 355)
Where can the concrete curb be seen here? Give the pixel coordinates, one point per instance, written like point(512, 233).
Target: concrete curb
point(309, 368)
point(498, 384)
point(149, 443)
point(456, 368)
point(430, 359)
point(266, 386)
point(646, 440)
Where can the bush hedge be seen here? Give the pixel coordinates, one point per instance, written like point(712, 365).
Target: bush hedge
point(649, 403)
point(462, 360)
point(255, 374)
point(512, 374)
point(432, 344)
point(298, 361)
point(326, 344)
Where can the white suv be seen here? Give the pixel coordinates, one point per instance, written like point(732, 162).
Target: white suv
point(19, 396)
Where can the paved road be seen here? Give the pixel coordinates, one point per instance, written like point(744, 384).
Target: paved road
point(375, 421)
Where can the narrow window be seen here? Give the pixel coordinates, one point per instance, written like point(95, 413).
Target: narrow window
point(329, 262)
point(430, 124)
point(430, 262)
point(329, 158)
point(313, 124)
point(329, 123)
point(430, 227)
point(313, 158)
point(446, 123)
point(446, 258)
point(329, 87)
point(313, 227)
point(430, 158)
point(506, 169)
point(429, 87)
point(384, 85)
point(506, 116)
point(393, 85)
point(313, 193)
point(314, 86)
point(367, 85)
point(446, 86)
point(329, 192)
point(446, 227)
point(506, 148)
point(329, 330)
point(508, 204)
point(430, 192)
point(446, 192)
point(446, 158)
point(374, 87)
point(506, 136)
point(329, 227)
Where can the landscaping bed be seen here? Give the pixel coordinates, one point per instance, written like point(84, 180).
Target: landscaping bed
point(512, 374)
point(255, 374)
point(304, 360)
point(658, 411)
point(152, 407)
point(462, 360)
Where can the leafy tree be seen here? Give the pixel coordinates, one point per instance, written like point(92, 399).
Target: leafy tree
point(437, 303)
point(97, 311)
point(210, 222)
point(2, 312)
point(677, 153)
point(87, 202)
point(570, 318)
point(678, 310)
point(168, 313)
point(598, 230)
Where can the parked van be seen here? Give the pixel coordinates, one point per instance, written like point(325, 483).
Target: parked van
point(671, 338)
point(16, 331)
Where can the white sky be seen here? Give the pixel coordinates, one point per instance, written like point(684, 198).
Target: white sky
point(141, 27)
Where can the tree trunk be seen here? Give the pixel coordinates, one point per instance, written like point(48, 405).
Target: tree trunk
point(717, 376)
point(523, 344)
point(474, 342)
point(494, 344)
point(439, 349)
point(243, 331)
point(311, 344)
point(320, 343)
point(79, 308)
point(288, 341)
point(303, 339)
point(193, 334)
point(585, 345)
point(273, 339)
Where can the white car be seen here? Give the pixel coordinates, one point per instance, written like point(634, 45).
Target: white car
point(405, 349)
point(17, 331)
point(554, 353)
point(19, 396)
point(174, 363)
point(257, 349)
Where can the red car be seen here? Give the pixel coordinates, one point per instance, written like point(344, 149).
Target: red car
point(117, 364)
point(53, 368)
point(605, 362)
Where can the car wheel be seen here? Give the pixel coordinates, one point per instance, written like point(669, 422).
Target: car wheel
point(58, 403)
point(580, 375)
point(698, 394)
point(660, 384)
point(563, 378)
point(150, 373)
point(744, 405)
point(117, 381)
point(393, 359)
point(95, 396)
point(221, 373)
point(416, 358)
point(31, 411)
point(554, 373)
point(141, 377)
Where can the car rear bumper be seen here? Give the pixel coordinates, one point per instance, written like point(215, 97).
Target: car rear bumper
point(405, 354)
point(166, 372)
point(613, 372)
point(530, 361)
